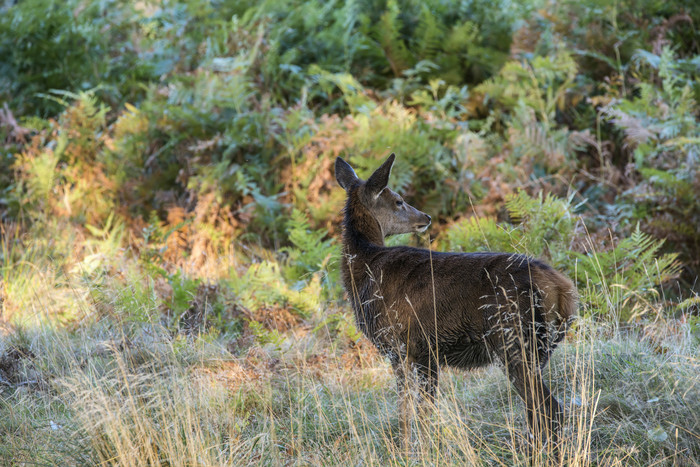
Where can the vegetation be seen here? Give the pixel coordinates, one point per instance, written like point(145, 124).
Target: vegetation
point(169, 285)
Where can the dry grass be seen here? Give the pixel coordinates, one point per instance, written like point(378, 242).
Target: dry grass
point(120, 384)
point(107, 395)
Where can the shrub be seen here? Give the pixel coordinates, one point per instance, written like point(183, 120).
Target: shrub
point(623, 282)
point(541, 227)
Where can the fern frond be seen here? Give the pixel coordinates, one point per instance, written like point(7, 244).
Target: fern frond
point(310, 250)
point(430, 34)
point(633, 268)
point(390, 37)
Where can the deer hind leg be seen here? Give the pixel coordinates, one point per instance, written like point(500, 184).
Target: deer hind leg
point(544, 413)
point(515, 341)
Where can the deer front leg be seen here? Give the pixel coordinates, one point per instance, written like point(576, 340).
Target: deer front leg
point(427, 377)
point(417, 389)
point(426, 374)
point(404, 406)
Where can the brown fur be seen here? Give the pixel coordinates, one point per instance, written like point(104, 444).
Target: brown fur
point(425, 309)
point(559, 296)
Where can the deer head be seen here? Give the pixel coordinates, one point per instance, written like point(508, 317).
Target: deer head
point(394, 215)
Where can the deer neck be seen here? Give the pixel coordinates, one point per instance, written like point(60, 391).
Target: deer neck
point(361, 231)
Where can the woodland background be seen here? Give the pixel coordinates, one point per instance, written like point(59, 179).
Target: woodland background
point(169, 240)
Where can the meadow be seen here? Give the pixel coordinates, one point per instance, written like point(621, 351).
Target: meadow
point(170, 223)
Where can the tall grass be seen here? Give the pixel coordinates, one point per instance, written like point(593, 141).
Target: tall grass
point(119, 392)
point(122, 382)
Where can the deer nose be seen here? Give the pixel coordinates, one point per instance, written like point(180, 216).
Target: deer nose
point(428, 217)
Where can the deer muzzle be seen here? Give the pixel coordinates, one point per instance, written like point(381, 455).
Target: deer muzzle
point(423, 225)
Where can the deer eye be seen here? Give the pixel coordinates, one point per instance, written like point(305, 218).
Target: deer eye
point(399, 203)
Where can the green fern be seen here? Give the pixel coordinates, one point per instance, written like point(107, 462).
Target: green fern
point(661, 128)
point(390, 37)
point(541, 227)
point(430, 34)
point(541, 84)
point(547, 224)
point(634, 269)
point(312, 249)
point(263, 285)
point(480, 234)
point(352, 90)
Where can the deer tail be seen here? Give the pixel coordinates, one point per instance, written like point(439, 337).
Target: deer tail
point(559, 297)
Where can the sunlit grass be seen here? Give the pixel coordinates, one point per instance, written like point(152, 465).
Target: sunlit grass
point(106, 396)
point(122, 385)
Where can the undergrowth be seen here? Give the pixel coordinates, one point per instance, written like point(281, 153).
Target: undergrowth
point(169, 222)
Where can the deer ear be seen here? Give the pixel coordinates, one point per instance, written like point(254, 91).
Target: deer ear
point(345, 175)
point(380, 178)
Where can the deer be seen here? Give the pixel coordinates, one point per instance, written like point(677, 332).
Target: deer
point(425, 310)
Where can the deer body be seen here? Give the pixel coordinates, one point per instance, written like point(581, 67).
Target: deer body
point(425, 309)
